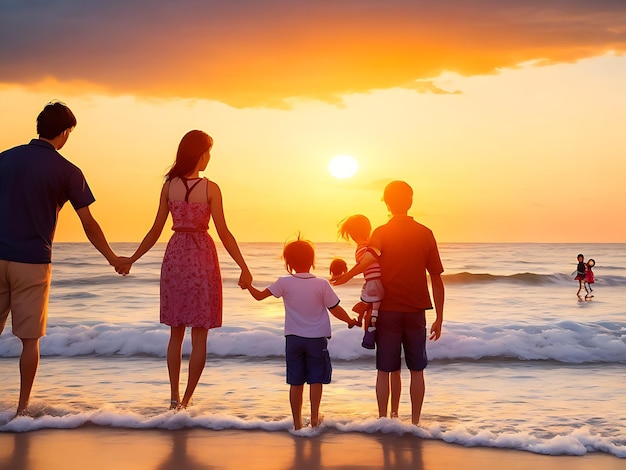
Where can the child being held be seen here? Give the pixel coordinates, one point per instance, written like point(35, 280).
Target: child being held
point(358, 228)
point(307, 300)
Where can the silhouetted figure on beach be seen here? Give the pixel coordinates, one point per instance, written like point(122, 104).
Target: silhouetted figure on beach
point(307, 300)
point(35, 182)
point(358, 229)
point(406, 251)
point(191, 283)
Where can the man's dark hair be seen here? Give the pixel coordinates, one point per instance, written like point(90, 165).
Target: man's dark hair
point(398, 196)
point(54, 119)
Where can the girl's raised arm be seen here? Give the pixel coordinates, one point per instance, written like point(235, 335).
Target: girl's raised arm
point(227, 238)
point(157, 227)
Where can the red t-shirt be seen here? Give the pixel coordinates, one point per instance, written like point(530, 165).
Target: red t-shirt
point(407, 250)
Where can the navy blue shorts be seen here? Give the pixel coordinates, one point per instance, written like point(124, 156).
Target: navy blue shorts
point(307, 360)
point(397, 330)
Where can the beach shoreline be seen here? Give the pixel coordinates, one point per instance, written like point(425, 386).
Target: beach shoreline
point(99, 447)
point(495, 383)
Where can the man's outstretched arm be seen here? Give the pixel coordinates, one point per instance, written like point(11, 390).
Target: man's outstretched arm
point(96, 235)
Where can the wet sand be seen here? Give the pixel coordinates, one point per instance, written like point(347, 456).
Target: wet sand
point(97, 447)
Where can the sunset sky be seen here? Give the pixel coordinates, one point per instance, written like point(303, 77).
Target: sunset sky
point(507, 118)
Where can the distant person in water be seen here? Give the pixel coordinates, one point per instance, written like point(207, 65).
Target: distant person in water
point(191, 283)
point(580, 273)
point(338, 267)
point(307, 300)
point(35, 182)
point(589, 278)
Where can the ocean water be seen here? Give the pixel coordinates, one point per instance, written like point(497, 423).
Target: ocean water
point(522, 363)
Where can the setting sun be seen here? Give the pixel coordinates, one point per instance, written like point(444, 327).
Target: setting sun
point(343, 166)
point(297, 228)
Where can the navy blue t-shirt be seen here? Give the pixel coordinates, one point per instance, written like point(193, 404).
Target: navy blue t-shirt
point(35, 182)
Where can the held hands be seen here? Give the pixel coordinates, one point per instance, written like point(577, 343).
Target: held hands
point(245, 279)
point(364, 310)
point(122, 265)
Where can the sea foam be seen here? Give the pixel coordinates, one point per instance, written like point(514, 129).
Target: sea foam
point(565, 341)
point(577, 442)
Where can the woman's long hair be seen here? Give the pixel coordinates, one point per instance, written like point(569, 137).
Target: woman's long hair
point(192, 146)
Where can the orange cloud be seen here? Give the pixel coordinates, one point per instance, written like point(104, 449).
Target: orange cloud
point(250, 53)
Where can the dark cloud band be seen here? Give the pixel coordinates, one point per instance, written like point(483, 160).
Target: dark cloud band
point(250, 53)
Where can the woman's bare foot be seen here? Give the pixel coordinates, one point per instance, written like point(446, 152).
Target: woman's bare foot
point(21, 413)
point(315, 424)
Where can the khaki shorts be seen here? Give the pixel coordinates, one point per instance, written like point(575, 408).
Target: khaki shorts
point(24, 290)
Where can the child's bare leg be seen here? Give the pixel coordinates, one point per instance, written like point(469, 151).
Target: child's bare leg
point(295, 399)
point(174, 358)
point(197, 360)
point(396, 389)
point(315, 395)
point(382, 392)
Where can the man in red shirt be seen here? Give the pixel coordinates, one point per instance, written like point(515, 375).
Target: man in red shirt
point(406, 250)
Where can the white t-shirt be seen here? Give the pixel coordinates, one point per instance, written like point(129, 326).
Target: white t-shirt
point(307, 299)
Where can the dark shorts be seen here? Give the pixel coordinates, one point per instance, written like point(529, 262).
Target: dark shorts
point(307, 360)
point(398, 330)
point(580, 277)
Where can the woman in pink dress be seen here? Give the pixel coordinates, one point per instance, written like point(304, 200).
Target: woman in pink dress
point(191, 284)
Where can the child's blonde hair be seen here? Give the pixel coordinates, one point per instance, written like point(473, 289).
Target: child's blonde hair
point(355, 226)
point(299, 255)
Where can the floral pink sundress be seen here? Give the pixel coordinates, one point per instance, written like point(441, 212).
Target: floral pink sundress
point(191, 283)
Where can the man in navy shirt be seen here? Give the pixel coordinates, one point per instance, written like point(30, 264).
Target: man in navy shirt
point(35, 183)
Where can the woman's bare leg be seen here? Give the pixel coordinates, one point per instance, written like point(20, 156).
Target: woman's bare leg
point(174, 359)
point(197, 360)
